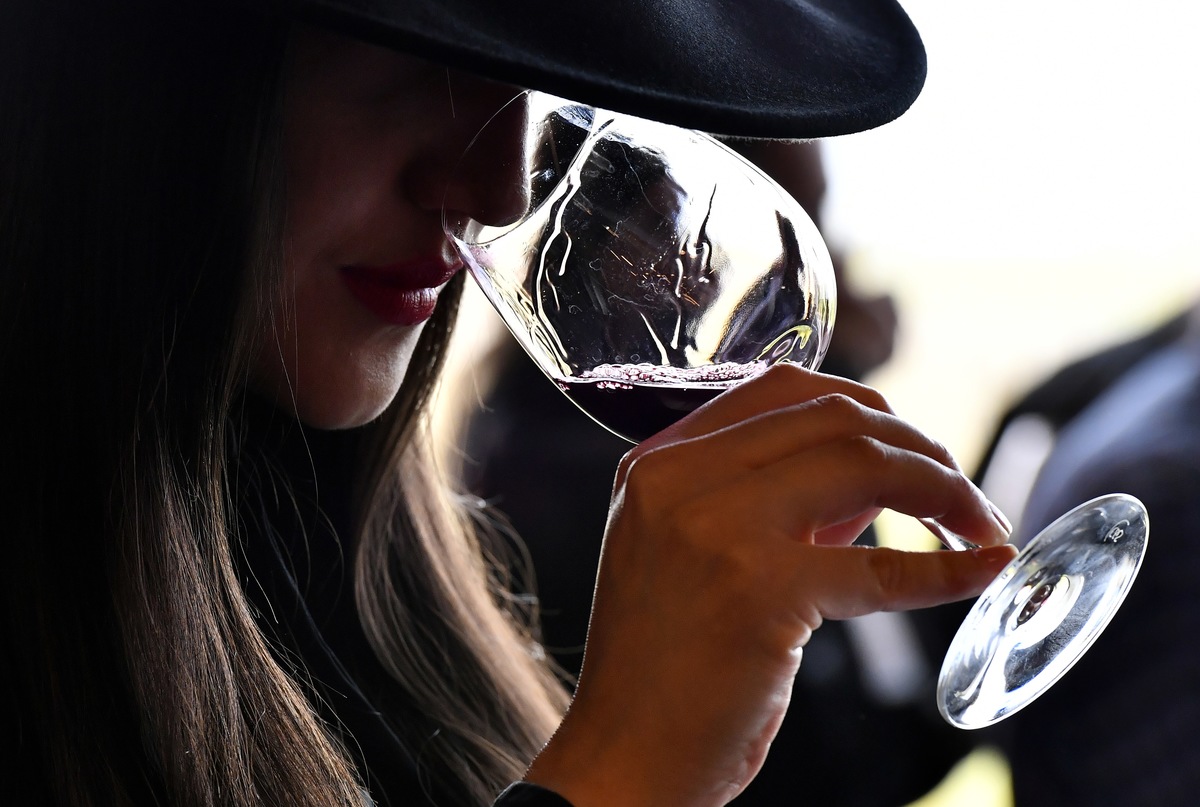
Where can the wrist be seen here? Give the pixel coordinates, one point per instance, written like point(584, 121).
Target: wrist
point(600, 761)
point(589, 773)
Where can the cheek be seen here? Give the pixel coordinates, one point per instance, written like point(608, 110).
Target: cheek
point(325, 357)
point(326, 362)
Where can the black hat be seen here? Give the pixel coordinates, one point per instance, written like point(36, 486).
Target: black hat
point(755, 68)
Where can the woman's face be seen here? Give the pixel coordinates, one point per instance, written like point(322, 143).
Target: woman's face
point(373, 148)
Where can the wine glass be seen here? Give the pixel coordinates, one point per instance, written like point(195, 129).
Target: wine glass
point(651, 261)
point(653, 268)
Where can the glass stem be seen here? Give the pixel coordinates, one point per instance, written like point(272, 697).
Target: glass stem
point(949, 539)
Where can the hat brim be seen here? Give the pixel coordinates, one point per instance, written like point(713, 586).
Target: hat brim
point(751, 68)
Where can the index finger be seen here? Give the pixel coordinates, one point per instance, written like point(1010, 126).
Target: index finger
point(781, 386)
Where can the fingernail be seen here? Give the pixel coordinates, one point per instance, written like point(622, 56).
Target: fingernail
point(996, 556)
point(1001, 519)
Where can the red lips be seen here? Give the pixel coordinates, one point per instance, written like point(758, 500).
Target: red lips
point(402, 293)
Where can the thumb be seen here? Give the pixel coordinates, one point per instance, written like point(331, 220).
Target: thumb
point(841, 582)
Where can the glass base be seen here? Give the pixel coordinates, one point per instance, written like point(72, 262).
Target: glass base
point(1043, 611)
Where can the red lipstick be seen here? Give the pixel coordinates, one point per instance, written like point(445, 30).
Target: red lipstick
point(401, 293)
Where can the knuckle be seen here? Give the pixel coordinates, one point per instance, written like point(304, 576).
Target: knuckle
point(942, 454)
point(785, 380)
point(689, 524)
point(651, 493)
point(889, 573)
point(867, 450)
point(784, 373)
point(626, 464)
point(840, 404)
point(849, 413)
point(876, 400)
point(645, 471)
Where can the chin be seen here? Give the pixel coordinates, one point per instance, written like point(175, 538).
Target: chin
point(344, 411)
point(336, 388)
point(341, 404)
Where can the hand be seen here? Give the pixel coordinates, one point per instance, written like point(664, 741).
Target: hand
point(727, 546)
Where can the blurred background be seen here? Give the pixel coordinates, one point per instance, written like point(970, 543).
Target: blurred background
point(1040, 201)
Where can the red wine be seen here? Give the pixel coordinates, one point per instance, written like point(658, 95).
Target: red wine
point(636, 401)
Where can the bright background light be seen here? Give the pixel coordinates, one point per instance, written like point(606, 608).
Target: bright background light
point(1039, 200)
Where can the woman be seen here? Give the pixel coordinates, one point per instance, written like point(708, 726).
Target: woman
point(234, 575)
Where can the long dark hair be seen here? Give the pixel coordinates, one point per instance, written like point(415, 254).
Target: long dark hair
point(140, 224)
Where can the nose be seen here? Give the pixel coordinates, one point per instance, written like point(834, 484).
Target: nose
point(481, 170)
